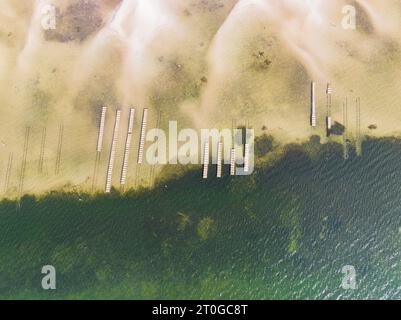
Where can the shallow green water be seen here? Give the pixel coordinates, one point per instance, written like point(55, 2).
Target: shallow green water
point(283, 233)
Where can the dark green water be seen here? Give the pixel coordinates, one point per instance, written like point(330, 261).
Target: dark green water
point(283, 233)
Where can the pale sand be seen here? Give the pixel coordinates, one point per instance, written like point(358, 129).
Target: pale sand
point(203, 63)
